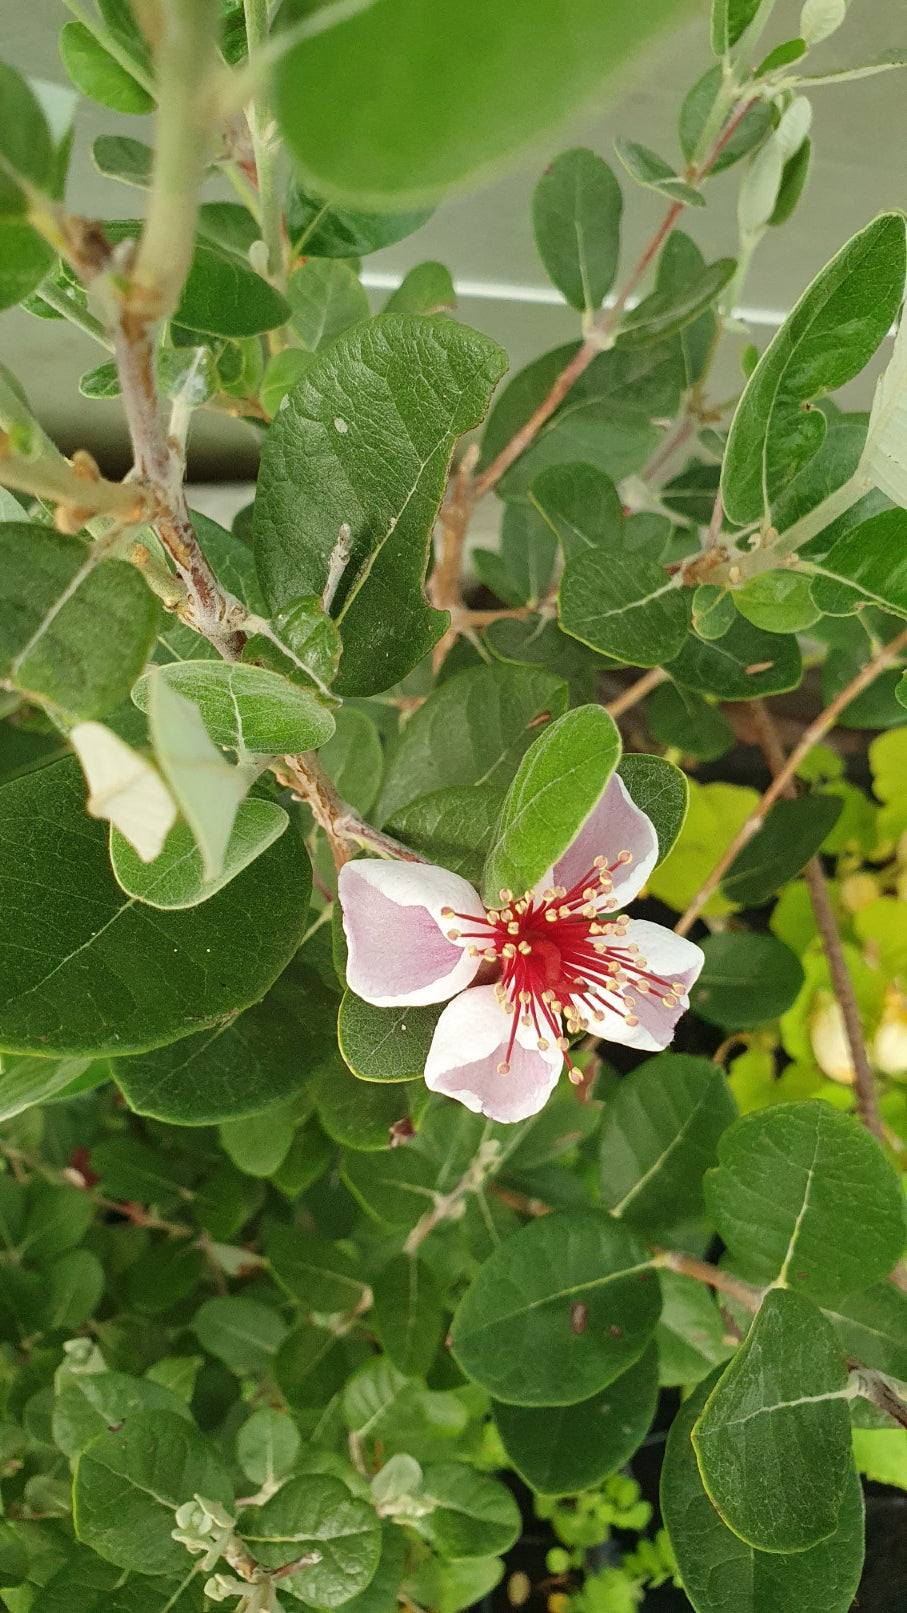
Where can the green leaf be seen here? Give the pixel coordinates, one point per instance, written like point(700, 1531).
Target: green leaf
point(176, 877)
point(267, 1446)
point(623, 606)
point(661, 791)
point(674, 307)
point(98, 75)
point(129, 1482)
point(604, 420)
point(426, 289)
point(56, 593)
point(363, 1117)
point(680, 717)
point(560, 1450)
point(582, 507)
point(474, 1515)
point(790, 835)
point(25, 258)
point(101, 382)
point(26, 1082)
point(747, 979)
point(730, 20)
point(26, 146)
point(872, 1325)
point(576, 210)
point(694, 114)
point(833, 331)
point(326, 298)
point(779, 601)
point(320, 230)
point(473, 729)
point(244, 707)
point(780, 1487)
point(407, 1314)
point(869, 563)
point(577, 1291)
point(454, 1587)
point(804, 1197)
point(207, 789)
point(385, 1044)
point(316, 1513)
point(650, 170)
point(241, 1066)
point(121, 158)
point(223, 296)
point(394, 1186)
point(744, 664)
point(14, 1558)
point(282, 371)
point(453, 828)
point(259, 1145)
point(321, 1276)
point(388, 110)
point(713, 611)
point(86, 969)
point(659, 1135)
point(241, 1332)
point(72, 1290)
point(86, 1584)
point(720, 1571)
point(691, 1336)
point(90, 1402)
point(405, 389)
point(353, 758)
point(308, 636)
point(559, 782)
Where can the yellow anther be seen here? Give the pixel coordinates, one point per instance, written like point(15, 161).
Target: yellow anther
point(563, 912)
point(563, 1043)
point(453, 935)
point(525, 948)
point(513, 929)
point(625, 856)
point(551, 916)
point(489, 954)
point(525, 998)
point(506, 896)
point(473, 952)
point(631, 1020)
point(599, 862)
point(447, 912)
point(503, 1068)
point(509, 950)
point(670, 1001)
point(542, 1045)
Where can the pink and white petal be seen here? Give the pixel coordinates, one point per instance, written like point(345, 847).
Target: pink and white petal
point(469, 1043)
point(676, 962)
point(399, 949)
point(614, 825)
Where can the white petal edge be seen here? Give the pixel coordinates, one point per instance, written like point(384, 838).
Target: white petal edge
point(470, 1041)
point(615, 824)
point(397, 938)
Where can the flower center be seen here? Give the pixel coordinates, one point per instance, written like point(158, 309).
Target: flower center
point(562, 960)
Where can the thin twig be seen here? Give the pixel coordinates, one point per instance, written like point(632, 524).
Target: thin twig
point(723, 1281)
point(876, 1388)
point(601, 334)
point(636, 692)
point(810, 737)
point(867, 1098)
point(263, 130)
point(77, 488)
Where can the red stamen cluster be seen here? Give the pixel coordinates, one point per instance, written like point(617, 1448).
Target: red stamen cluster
point(562, 960)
